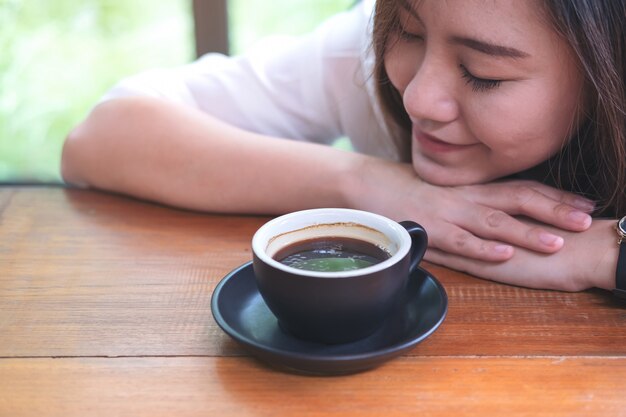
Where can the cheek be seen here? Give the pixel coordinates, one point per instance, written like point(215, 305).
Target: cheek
point(531, 123)
point(566, 106)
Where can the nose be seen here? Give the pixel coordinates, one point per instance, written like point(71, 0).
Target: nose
point(430, 95)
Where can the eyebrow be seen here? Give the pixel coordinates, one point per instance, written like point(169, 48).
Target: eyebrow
point(489, 48)
point(475, 44)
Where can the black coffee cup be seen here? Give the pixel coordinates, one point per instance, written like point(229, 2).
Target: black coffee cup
point(336, 306)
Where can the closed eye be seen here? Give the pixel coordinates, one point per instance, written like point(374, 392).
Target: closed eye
point(479, 84)
point(408, 36)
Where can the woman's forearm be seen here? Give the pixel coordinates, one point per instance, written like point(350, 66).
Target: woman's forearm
point(179, 156)
point(175, 155)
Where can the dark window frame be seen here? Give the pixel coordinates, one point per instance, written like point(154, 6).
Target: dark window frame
point(210, 26)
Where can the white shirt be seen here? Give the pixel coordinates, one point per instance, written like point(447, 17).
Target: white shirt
point(316, 88)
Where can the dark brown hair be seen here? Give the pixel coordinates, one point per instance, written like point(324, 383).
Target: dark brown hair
point(593, 162)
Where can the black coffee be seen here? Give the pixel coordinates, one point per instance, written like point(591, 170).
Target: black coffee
point(331, 254)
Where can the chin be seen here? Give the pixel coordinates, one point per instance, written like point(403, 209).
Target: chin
point(447, 177)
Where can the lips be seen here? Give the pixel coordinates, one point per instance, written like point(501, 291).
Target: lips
point(432, 144)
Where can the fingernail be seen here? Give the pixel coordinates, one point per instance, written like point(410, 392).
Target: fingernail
point(584, 204)
point(502, 248)
point(549, 239)
point(579, 217)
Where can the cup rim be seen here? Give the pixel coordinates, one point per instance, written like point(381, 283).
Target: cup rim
point(262, 236)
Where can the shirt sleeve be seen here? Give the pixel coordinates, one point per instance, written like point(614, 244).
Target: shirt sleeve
point(308, 88)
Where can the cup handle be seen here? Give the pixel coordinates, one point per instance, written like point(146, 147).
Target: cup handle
point(419, 242)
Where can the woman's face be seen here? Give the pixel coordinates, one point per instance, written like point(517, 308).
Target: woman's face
point(490, 88)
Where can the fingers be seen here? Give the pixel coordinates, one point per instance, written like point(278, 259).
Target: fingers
point(456, 240)
point(537, 201)
point(570, 211)
point(573, 200)
point(448, 260)
point(489, 223)
point(490, 235)
point(525, 269)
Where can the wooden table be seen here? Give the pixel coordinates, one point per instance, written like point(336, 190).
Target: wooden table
point(105, 311)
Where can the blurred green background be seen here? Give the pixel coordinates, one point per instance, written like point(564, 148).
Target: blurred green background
point(59, 56)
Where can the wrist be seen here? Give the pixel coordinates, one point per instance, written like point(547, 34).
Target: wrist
point(357, 181)
point(620, 273)
point(349, 181)
point(376, 185)
point(603, 273)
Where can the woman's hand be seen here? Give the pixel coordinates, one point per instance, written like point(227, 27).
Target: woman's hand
point(475, 222)
point(178, 156)
point(587, 259)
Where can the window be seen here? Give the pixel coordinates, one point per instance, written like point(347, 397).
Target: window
point(60, 56)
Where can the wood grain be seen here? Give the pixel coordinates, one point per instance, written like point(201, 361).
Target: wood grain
point(431, 386)
point(105, 310)
point(91, 274)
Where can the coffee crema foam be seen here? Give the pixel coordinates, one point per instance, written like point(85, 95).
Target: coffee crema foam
point(340, 230)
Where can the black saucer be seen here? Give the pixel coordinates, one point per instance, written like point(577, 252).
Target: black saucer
point(240, 311)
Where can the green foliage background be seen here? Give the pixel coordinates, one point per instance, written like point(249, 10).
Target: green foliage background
point(59, 56)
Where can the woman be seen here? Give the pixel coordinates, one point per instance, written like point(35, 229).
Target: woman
point(564, 78)
point(471, 95)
